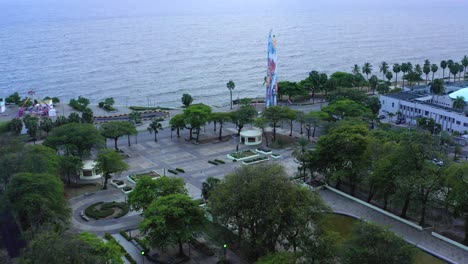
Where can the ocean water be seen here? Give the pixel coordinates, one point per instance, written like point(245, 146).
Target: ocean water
point(152, 58)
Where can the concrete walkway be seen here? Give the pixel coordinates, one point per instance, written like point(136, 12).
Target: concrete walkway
point(343, 205)
point(129, 247)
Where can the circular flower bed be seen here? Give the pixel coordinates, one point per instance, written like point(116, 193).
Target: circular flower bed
point(103, 210)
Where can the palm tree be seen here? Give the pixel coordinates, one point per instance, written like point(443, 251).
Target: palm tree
point(464, 63)
point(383, 69)
point(230, 85)
point(367, 69)
point(135, 117)
point(396, 70)
point(155, 126)
point(443, 65)
point(418, 71)
point(449, 66)
point(373, 81)
point(207, 186)
point(437, 87)
point(356, 69)
point(405, 67)
point(434, 69)
point(427, 70)
point(459, 103)
point(301, 153)
point(460, 71)
point(454, 70)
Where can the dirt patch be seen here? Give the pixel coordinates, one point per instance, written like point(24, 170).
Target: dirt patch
point(76, 189)
point(281, 142)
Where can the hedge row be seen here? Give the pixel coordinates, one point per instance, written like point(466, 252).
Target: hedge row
point(220, 161)
point(180, 170)
point(106, 210)
point(173, 172)
point(213, 162)
point(127, 256)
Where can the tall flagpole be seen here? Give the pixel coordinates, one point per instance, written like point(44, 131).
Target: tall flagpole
point(272, 74)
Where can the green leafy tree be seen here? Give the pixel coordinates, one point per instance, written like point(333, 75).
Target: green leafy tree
point(114, 130)
point(331, 85)
point(312, 121)
point(371, 243)
point(437, 87)
point(458, 175)
point(290, 115)
point(171, 220)
point(79, 104)
point(16, 126)
point(75, 139)
point(32, 125)
point(61, 120)
point(275, 114)
point(459, 103)
point(290, 89)
point(220, 118)
point(396, 70)
point(262, 123)
point(130, 130)
point(265, 207)
point(341, 153)
point(178, 122)
point(207, 187)
point(186, 99)
point(383, 88)
point(87, 116)
point(39, 159)
point(109, 162)
point(14, 98)
point(46, 125)
point(52, 247)
point(405, 68)
point(230, 85)
point(69, 166)
point(428, 183)
point(36, 200)
point(343, 79)
point(341, 109)
point(389, 76)
point(243, 116)
point(74, 118)
point(196, 116)
point(301, 153)
point(104, 252)
point(367, 69)
point(148, 190)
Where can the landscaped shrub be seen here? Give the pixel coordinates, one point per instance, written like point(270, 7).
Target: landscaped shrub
point(80, 104)
point(124, 234)
point(172, 171)
point(106, 210)
point(255, 160)
point(212, 162)
point(180, 169)
point(220, 161)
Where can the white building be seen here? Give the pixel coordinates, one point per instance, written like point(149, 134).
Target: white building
point(413, 106)
point(88, 172)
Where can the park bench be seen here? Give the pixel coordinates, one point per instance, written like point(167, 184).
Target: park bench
point(83, 216)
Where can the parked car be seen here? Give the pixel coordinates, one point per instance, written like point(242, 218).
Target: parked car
point(438, 162)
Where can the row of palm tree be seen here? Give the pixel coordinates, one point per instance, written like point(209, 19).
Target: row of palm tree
point(438, 88)
point(413, 74)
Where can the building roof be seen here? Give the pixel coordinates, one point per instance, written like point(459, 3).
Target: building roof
point(251, 133)
point(89, 164)
point(404, 96)
point(462, 92)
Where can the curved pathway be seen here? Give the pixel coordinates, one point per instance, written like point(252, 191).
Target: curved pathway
point(420, 238)
point(80, 203)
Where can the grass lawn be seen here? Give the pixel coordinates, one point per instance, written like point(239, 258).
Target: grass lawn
point(343, 225)
point(78, 190)
point(151, 174)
